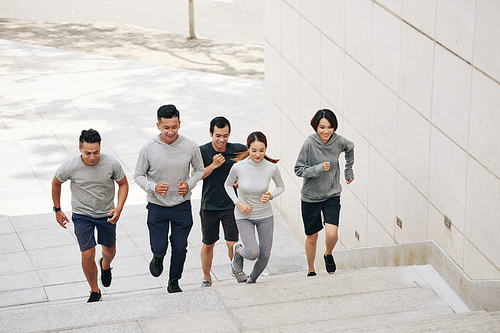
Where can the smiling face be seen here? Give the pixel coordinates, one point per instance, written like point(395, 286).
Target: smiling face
point(325, 130)
point(257, 151)
point(169, 128)
point(91, 152)
point(220, 136)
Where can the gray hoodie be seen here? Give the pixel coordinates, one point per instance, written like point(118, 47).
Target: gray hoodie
point(159, 162)
point(320, 185)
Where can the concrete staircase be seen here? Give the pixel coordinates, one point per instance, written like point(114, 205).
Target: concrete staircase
point(368, 300)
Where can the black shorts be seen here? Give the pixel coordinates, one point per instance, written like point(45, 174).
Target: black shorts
point(311, 214)
point(210, 225)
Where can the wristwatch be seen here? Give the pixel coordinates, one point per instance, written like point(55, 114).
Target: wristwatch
point(56, 209)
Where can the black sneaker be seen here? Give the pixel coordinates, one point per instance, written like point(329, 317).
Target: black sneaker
point(95, 297)
point(173, 286)
point(330, 263)
point(105, 275)
point(156, 266)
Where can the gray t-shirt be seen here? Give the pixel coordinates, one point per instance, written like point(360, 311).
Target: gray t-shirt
point(92, 187)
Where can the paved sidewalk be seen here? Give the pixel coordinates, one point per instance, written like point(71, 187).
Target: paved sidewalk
point(142, 44)
point(47, 96)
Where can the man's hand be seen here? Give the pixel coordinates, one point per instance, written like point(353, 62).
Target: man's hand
point(235, 184)
point(218, 160)
point(326, 166)
point(243, 207)
point(62, 219)
point(182, 188)
point(115, 215)
point(266, 197)
point(161, 188)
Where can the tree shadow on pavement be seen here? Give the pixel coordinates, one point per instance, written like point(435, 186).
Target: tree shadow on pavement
point(142, 44)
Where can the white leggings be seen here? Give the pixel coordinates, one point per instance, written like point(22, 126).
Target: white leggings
point(250, 249)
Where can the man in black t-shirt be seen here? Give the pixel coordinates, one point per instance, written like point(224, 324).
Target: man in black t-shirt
point(216, 206)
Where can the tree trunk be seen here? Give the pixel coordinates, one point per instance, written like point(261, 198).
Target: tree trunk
point(191, 20)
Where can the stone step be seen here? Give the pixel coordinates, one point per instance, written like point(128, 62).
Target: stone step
point(355, 300)
point(478, 321)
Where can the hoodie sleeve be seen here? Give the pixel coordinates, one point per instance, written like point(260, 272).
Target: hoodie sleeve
point(140, 174)
point(198, 169)
point(302, 169)
point(349, 159)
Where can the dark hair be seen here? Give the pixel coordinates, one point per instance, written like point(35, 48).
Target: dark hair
point(168, 111)
point(220, 122)
point(328, 115)
point(90, 136)
point(254, 136)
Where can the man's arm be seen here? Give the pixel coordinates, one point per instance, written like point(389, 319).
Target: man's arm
point(198, 169)
point(56, 199)
point(218, 160)
point(122, 196)
point(140, 175)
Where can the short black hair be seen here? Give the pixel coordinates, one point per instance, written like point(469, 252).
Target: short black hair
point(168, 111)
point(328, 115)
point(90, 136)
point(220, 122)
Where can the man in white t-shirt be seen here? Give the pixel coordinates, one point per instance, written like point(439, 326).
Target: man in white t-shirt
point(93, 176)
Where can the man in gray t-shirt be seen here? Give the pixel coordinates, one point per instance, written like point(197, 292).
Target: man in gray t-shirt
point(93, 176)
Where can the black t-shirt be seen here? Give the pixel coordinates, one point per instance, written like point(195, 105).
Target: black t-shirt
point(214, 196)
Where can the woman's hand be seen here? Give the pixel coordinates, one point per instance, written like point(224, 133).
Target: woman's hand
point(266, 197)
point(348, 181)
point(326, 166)
point(243, 207)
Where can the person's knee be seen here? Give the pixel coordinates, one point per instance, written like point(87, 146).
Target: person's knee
point(89, 254)
point(206, 249)
point(252, 254)
point(331, 230)
point(109, 250)
point(312, 239)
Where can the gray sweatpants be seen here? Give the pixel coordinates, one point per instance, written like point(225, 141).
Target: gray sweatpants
point(250, 249)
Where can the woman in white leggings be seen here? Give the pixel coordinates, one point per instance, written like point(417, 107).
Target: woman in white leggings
point(253, 210)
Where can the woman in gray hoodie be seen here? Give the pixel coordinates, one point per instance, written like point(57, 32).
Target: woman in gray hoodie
point(318, 164)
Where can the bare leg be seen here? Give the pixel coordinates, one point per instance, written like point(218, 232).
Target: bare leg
point(206, 255)
point(90, 269)
point(331, 237)
point(230, 245)
point(310, 246)
point(108, 254)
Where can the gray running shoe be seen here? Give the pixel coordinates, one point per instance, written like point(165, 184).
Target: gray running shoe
point(240, 277)
point(237, 259)
point(206, 284)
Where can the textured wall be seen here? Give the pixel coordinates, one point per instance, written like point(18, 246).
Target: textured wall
point(415, 85)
